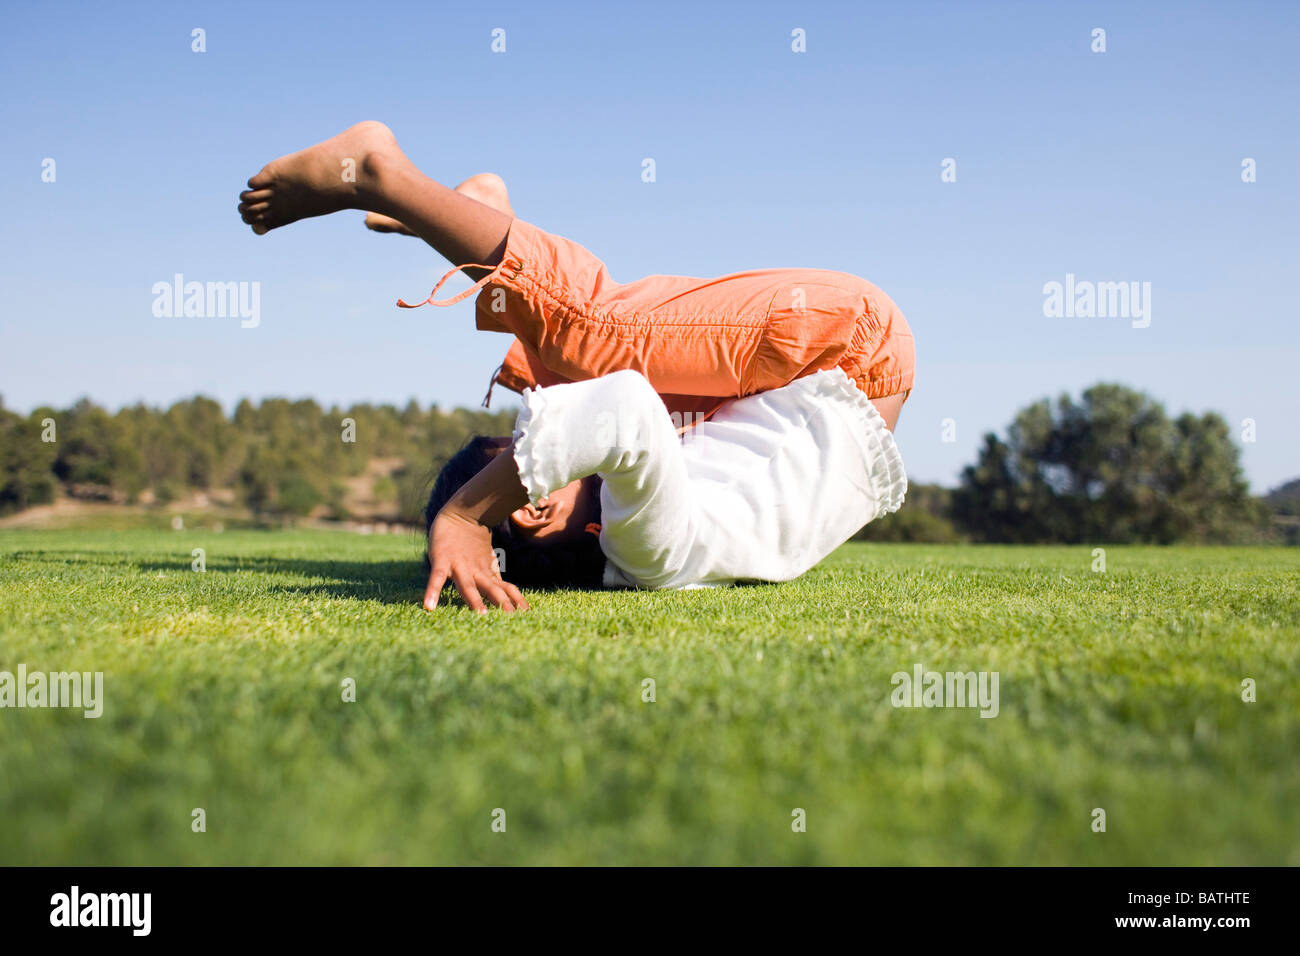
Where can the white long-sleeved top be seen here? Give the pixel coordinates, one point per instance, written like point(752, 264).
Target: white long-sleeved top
point(762, 491)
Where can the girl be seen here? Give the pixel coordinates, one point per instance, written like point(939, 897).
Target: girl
point(794, 379)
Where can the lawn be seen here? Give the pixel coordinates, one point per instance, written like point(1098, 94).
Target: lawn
point(224, 690)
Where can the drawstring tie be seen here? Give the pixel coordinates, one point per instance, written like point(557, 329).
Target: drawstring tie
point(403, 304)
point(492, 382)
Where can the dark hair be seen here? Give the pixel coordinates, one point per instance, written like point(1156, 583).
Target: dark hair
point(580, 565)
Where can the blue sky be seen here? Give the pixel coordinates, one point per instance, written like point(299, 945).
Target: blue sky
point(1115, 166)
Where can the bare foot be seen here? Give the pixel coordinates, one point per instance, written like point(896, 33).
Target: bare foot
point(487, 188)
point(340, 173)
point(381, 223)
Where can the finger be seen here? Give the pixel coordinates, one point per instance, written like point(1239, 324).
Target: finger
point(467, 590)
point(437, 578)
point(520, 603)
point(491, 589)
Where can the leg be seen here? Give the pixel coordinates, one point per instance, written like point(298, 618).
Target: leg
point(730, 336)
point(723, 338)
point(487, 188)
point(363, 168)
point(693, 339)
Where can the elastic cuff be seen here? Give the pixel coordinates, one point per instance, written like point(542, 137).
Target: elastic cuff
point(521, 249)
point(527, 455)
point(887, 475)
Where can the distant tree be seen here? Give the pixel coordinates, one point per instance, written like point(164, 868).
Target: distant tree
point(297, 496)
point(255, 486)
point(1283, 504)
point(26, 463)
point(87, 446)
point(1112, 467)
point(1284, 499)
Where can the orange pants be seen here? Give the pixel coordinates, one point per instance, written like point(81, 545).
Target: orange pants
point(697, 341)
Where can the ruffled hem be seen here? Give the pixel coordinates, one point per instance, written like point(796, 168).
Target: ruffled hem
point(888, 476)
point(527, 456)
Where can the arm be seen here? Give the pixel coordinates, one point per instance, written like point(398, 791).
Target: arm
point(460, 540)
point(616, 427)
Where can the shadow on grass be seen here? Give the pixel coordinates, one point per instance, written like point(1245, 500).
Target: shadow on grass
point(385, 581)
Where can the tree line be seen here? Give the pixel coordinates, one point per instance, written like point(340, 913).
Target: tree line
point(1111, 466)
point(279, 457)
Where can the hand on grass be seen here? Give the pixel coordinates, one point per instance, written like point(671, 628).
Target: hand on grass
point(461, 549)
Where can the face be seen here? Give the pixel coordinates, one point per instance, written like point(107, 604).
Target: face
point(561, 518)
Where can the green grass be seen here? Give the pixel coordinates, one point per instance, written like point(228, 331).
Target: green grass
point(1119, 690)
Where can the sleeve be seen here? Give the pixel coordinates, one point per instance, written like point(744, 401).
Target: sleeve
point(616, 427)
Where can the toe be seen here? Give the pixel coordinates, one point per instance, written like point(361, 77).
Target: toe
point(263, 179)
